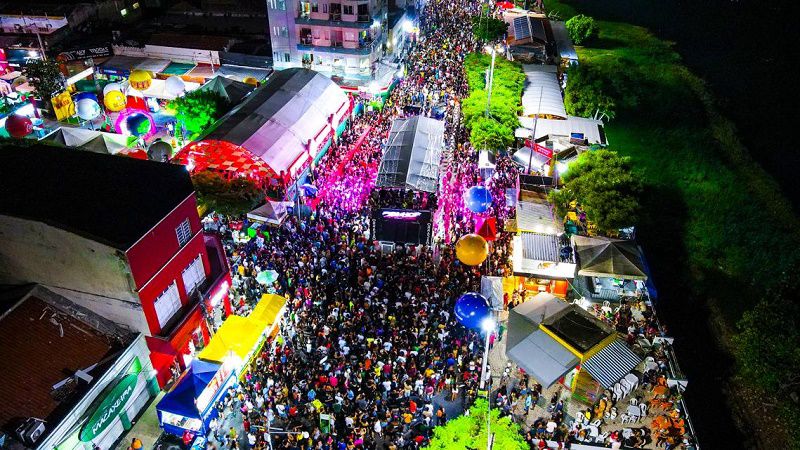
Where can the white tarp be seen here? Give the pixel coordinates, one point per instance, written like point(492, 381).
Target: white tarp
point(413, 154)
point(542, 93)
point(590, 128)
point(287, 119)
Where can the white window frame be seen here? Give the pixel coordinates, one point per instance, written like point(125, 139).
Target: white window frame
point(194, 274)
point(183, 232)
point(167, 304)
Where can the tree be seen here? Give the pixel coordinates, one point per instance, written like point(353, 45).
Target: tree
point(489, 134)
point(229, 197)
point(45, 78)
point(586, 94)
point(468, 432)
point(604, 185)
point(487, 29)
point(581, 29)
point(199, 109)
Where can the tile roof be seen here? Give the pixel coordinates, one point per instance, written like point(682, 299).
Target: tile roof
point(34, 356)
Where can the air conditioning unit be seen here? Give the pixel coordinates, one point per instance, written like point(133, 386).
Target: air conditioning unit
point(30, 431)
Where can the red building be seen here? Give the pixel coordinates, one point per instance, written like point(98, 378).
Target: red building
point(119, 236)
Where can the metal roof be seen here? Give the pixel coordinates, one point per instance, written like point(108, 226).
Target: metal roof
point(611, 363)
point(542, 93)
point(413, 154)
point(543, 358)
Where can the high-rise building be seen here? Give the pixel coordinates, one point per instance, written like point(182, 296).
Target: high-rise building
point(340, 38)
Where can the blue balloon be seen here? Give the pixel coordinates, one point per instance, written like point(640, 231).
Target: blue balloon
point(138, 124)
point(471, 309)
point(478, 199)
point(85, 95)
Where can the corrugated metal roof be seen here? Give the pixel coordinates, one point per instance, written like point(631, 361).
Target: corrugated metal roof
point(536, 217)
point(543, 358)
point(542, 94)
point(541, 247)
point(612, 363)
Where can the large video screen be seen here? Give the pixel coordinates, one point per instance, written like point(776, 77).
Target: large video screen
point(402, 225)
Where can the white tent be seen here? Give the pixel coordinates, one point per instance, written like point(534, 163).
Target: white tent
point(413, 154)
point(286, 121)
point(591, 129)
point(272, 213)
point(542, 93)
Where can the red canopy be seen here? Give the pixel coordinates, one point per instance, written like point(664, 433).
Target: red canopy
point(223, 156)
point(486, 228)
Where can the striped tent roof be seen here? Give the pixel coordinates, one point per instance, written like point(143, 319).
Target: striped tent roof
point(611, 363)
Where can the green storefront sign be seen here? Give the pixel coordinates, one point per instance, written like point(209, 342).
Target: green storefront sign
point(110, 407)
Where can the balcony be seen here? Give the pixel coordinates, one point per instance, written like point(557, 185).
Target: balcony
point(344, 47)
point(334, 21)
point(364, 18)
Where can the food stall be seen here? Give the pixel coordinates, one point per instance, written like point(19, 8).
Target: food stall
point(189, 406)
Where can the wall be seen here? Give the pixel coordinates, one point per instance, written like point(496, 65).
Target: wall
point(35, 252)
point(160, 244)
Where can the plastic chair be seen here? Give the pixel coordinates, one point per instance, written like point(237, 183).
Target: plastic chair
point(611, 414)
point(624, 418)
point(597, 423)
point(633, 401)
point(601, 438)
point(633, 380)
point(643, 408)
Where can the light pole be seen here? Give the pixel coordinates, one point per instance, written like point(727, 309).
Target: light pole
point(490, 81)
point(487, 325)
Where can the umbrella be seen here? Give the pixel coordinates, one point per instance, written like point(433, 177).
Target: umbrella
point(267, 277)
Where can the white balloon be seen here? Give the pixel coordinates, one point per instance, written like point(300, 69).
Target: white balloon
point(87, 109)
point(111, 87)
point(174, 85)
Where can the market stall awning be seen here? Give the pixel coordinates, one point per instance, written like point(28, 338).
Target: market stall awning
point(267, 310)
point(153, 65)
point(609, 258)
point(270, 212)
point(412, 155)
point(239, 73)
point(542, 93)
point(120, 65)
point(176, 68)
point(611, 363)
point(543, 358)
point(237, 336)
point(181, 399)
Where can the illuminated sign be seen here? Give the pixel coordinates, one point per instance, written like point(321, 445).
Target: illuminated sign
point(401, 215)
point(221, 292)
point(213, 387)
point(110, 407)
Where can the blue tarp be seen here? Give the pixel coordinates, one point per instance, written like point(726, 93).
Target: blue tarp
point(180, 400)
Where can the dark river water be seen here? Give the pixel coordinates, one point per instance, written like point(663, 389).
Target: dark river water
point(746, 50)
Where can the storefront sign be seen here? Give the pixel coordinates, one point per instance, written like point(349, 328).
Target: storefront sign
point(540, 149)
point(110, 407)
point(210, 392)
point(400, 215)
point(86, 53)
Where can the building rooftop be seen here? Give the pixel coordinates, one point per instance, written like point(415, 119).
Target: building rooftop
point(38, 338)
point(110, 199)
point(578, 329)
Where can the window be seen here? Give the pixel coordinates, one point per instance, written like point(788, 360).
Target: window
point(273, 4)
point(167, 304)
point(325, 8)
point(184, 232)
point(280, 31)
point(194, 274)
point(287, 57)
point(314, 7)
point(284, 32)
point(276, 56)
point(123, 12)
point(348, 9)
point(281, 5)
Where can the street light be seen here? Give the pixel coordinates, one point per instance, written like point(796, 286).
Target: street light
point(492, 50)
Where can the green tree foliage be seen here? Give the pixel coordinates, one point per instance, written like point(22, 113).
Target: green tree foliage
point(199, 109)
point(581, 29)
point(232, 198)
point(605, 187)
point(45, 78)
point(497, 131)
point(586, 94)
point(488, 29)
point(469, 432)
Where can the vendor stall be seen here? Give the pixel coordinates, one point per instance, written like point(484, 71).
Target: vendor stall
point(189, 406)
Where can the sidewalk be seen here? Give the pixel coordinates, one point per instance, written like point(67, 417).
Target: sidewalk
point(145, 428)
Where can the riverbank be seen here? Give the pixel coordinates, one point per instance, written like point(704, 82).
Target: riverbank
point(715, 226)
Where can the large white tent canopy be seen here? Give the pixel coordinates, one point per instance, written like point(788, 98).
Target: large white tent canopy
point(591, 129)
point(286, 121)
point(542, 93)
point(413, 154)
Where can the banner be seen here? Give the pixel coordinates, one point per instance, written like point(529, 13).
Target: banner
point(86, 53)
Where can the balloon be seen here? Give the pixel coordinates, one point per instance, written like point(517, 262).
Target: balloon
point(174, 86)
point(472, 249)
point(84, 95)
point(472, 309)
point(18, 126)
point(250, 80)
point(140, 79)
point(87, 109)
point(159, 151)
point(115, 100)
point(111, 87)
point(138, 124)
point(478, 199)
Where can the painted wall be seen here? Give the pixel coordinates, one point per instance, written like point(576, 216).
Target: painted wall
point(35, 252)
point(158, 246)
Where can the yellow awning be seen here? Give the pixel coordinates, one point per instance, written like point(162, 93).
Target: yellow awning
point(267, 309)
point(238, 335)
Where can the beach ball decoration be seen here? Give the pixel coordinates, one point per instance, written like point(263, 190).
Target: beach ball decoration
point(472, 249)
point(111, 87)
point(18, 126)
point(478, 199)
point(472, 309)
point(138, 124)
point(88, 109)
point(140, 79)
point(174, 86)
point(115, 101)
point(251, 81)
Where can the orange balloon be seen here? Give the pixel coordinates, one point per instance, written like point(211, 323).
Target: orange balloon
point(472, 249)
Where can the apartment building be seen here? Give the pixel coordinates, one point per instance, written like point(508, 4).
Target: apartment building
point(340, 38)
